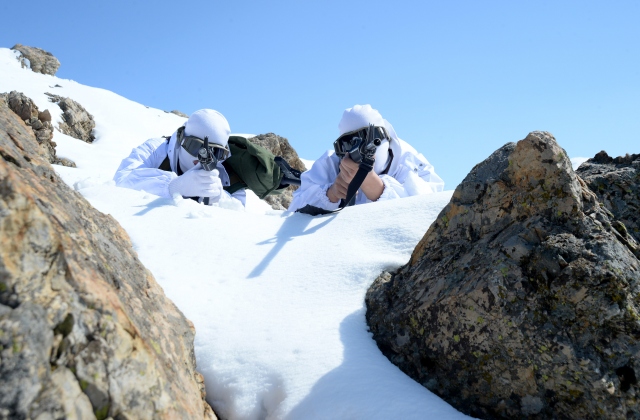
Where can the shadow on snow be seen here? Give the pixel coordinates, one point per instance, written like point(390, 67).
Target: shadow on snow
point(293, 226)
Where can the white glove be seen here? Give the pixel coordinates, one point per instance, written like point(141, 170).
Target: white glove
point(197, 182)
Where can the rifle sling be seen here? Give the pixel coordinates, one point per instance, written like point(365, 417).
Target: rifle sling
point(356, 183)
point(354, 186)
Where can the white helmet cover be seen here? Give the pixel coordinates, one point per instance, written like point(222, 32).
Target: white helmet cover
point(204, 123)
point(210, 123)
point(360, 116)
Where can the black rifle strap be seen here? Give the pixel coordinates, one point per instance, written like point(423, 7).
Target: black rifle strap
point(386, 170)
point(354, 186)
point(314, 211)
point(363, 170)
point(356, 183)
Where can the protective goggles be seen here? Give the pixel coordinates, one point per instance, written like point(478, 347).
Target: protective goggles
point(348, 141)
point(193, 144)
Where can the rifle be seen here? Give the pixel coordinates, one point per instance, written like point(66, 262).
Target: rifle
point(361, 152)
point(208, 160)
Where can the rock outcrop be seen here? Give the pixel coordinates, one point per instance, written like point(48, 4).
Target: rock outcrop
point(616, 182)
point(85, 331)
point(280, 146)
point(77, 122)
point(40, 123)
point(40, 61)
point(178, 113)
point(522, 299)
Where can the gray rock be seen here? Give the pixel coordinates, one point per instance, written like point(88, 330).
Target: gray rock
point(521, 300)
point(280, 146)
point(616, 182)
point(77, 122)
point(40, 123)
point(178, 113)
point(85, 330)
point(24, 358)
point(40, 61)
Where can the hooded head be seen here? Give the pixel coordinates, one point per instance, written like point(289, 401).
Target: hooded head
point(360, 116)
point(204, 123)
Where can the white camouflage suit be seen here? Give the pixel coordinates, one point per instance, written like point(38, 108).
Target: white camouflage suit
point(140, 170)
point(409, 172)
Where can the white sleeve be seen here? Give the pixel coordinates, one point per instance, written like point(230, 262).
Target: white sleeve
point(425, 183)
point(423, 178)
point(412, 185)
point(392, 188)
point(414, 171)
point(315, 182)
point(139, 171)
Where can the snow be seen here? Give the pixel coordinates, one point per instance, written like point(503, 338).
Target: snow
point(577, 161)
point(246, 135)
point(307, 163)
point(277, 299)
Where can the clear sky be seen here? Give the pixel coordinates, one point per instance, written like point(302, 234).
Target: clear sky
point(457, 79)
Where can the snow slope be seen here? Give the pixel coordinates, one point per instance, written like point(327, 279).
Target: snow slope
point(277, 299)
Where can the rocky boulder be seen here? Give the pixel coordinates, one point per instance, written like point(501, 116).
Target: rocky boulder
point(85, 330)
point(40, 61)
point(40, 123)
point(280, 146)
point(76, 121)
point(616, 182)
point(522, 299)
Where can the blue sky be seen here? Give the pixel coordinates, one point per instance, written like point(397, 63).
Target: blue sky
point(457, 79)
